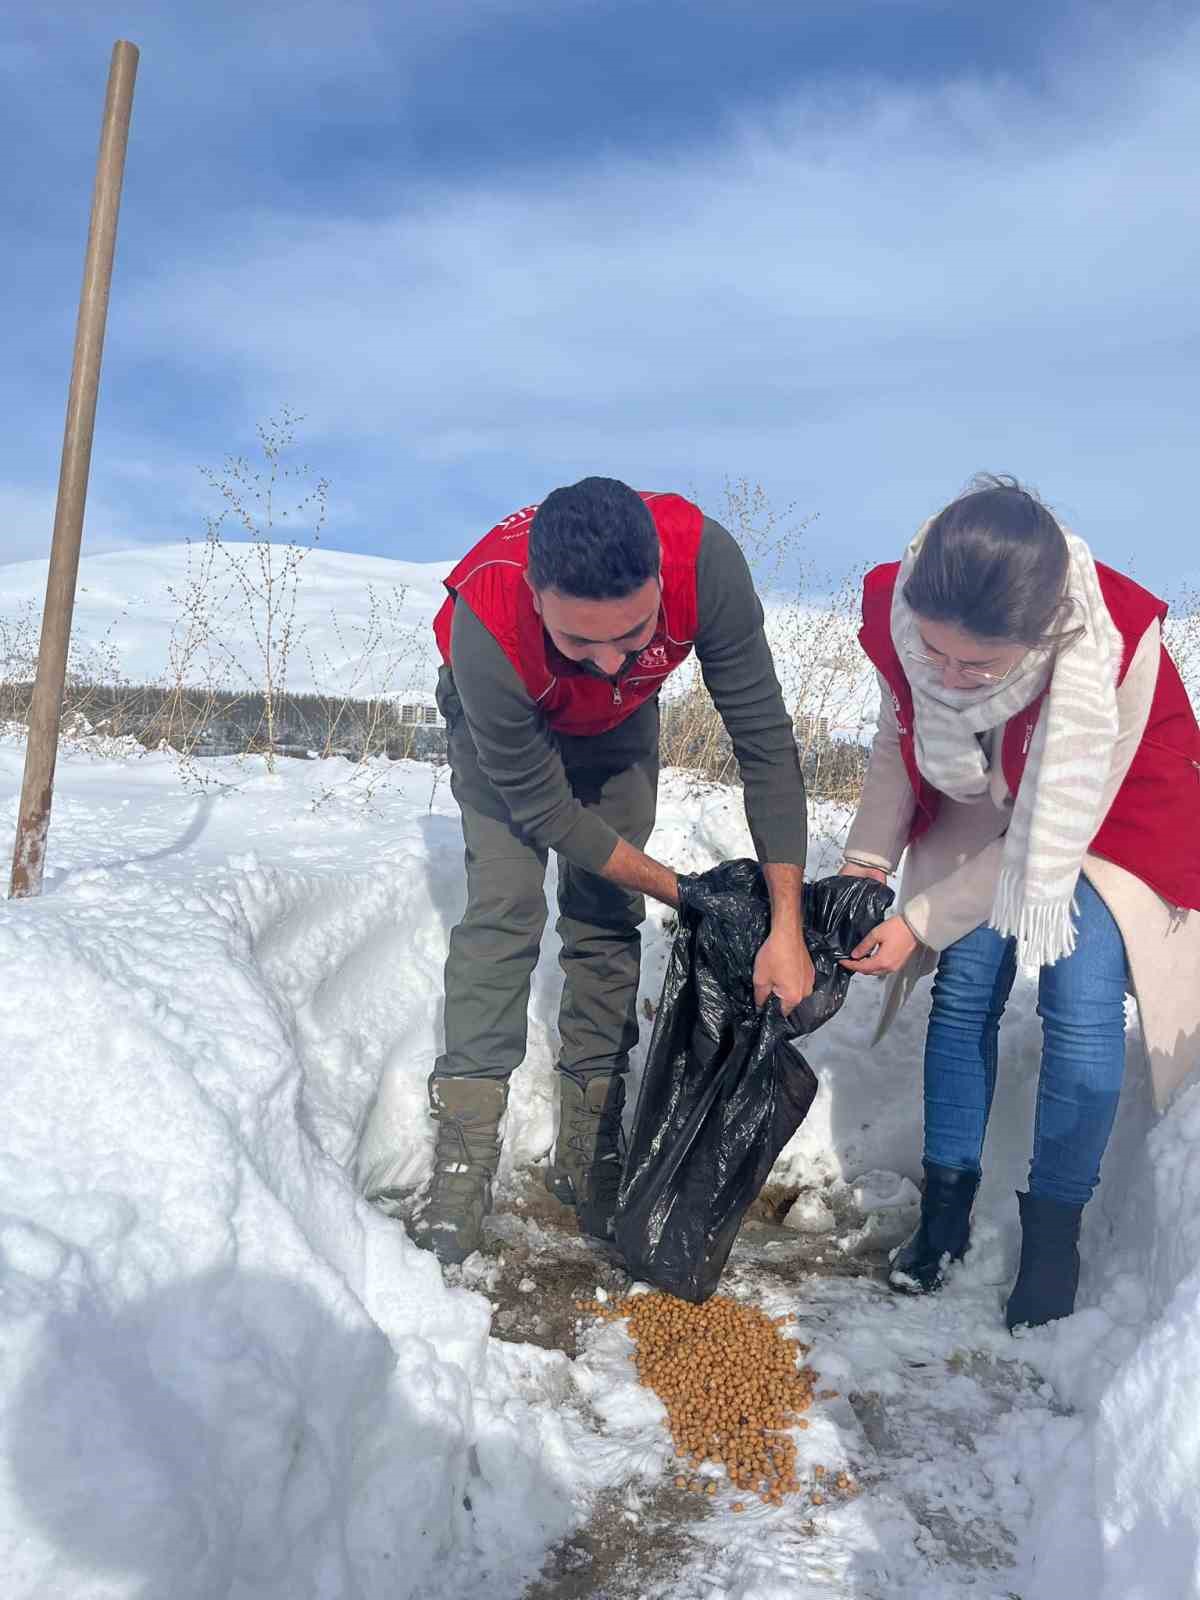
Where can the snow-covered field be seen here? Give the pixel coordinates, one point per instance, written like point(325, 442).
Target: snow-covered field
point(131, 620)
point(222, 1374)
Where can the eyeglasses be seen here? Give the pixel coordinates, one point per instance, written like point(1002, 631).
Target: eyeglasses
point(964, 670)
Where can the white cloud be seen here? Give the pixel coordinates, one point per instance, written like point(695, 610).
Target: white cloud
point(862, 296)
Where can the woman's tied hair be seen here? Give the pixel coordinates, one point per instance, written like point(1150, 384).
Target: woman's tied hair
point(994, 563)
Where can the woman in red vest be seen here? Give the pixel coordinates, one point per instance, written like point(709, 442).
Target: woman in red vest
point(1038, 756)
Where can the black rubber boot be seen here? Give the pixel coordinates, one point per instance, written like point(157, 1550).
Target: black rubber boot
point(589, 1153)
point(919, 1265)
point(1049, 1272)
point(468, 1112)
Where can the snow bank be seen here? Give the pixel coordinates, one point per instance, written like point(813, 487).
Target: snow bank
point(223, 1374)
point(1120, 1517)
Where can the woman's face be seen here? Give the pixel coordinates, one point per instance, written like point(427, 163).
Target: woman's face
point(964, 661)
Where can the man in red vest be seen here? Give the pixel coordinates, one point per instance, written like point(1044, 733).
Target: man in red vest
point(560, 629)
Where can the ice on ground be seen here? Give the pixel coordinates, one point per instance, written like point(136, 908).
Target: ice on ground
point(224, 1374)
point(810, 1212)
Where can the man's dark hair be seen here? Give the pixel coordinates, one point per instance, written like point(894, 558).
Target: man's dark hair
point(594, 540)
point(994, 563)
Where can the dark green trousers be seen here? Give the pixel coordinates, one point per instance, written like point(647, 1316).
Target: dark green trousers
point(494, 949)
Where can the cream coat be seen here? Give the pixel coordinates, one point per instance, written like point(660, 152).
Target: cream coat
point(950, 878)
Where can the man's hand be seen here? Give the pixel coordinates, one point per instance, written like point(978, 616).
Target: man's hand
point(784, 967)
point(886, 949)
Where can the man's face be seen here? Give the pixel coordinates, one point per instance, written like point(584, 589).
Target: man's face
point(602, 632)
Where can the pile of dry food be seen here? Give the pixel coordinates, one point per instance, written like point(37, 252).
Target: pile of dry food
point(731, 1386)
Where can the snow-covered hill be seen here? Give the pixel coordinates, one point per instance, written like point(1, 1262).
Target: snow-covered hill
point(131, 601)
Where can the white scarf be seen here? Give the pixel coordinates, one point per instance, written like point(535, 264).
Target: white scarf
point(1056, 812)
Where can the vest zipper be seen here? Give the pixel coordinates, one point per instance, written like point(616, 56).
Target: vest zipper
point(1169, 750)
point(617, 694)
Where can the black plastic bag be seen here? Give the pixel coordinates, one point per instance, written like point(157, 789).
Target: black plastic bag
point(725, 1085)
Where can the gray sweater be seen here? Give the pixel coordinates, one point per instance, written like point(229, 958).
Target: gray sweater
point(519, 754)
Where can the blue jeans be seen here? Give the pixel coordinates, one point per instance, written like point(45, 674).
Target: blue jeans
point(1081, 1001)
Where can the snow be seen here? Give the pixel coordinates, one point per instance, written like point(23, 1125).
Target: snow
point(128, 610)
point(126, 605)
point(222, 1373)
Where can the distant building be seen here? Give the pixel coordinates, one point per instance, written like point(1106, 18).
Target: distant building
point(810, 728)
point(420, 714)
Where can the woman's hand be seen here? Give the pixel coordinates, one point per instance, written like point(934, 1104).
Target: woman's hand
point(886, 949)
point(855, 869)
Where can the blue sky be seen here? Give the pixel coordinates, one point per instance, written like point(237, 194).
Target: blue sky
point(855, 251)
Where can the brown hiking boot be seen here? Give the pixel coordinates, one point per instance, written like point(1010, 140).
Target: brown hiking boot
point(589, 1153)
point(449, 1220)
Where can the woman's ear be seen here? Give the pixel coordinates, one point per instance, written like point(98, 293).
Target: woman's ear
point(537, 599)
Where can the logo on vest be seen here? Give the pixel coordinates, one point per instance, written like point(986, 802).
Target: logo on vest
point(654, 658)
point(518, 523)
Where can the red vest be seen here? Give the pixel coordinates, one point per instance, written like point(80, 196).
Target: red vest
point(1153, 826)
point(574, 701)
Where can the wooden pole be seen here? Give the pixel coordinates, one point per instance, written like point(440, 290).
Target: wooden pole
point(37, 789)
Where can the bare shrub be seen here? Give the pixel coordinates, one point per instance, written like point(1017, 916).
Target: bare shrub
point(1181, 634)
point(380, 660)
point(692, 735)
point(94, 691)
point(237, 626)
point(811, 624)
point(238, 634)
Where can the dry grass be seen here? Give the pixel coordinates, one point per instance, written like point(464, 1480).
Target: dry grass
point(1182, 635)
point(95, 691)
point(812, 623)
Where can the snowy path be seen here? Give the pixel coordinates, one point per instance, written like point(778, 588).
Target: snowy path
point(929, 1422)
point(223, 1375)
